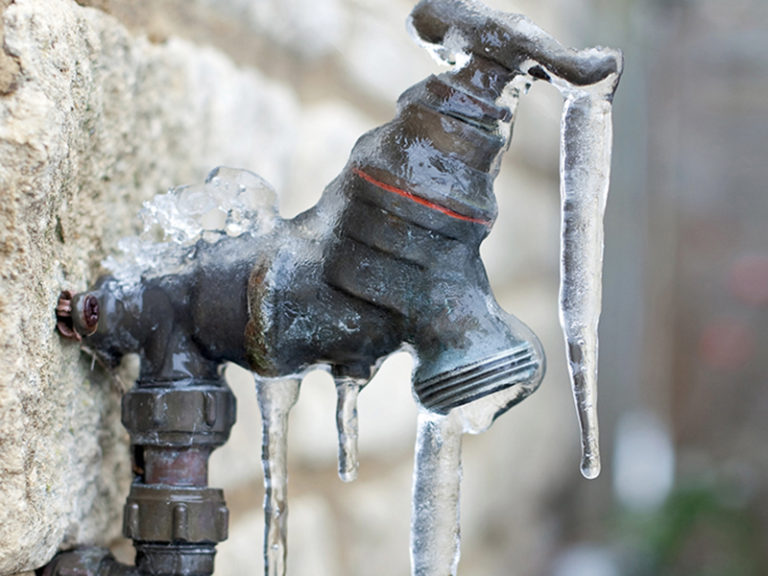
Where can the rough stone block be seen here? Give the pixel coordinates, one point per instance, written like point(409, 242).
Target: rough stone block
point(97, 121)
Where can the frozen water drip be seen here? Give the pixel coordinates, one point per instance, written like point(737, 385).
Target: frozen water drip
point(585, 161)
point(347, 391)
point(276, 398)
point(436, 485)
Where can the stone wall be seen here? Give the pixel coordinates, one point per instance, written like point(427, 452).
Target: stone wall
point(104, 104)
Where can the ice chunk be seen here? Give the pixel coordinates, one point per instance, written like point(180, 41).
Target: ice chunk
point(230, 202)
point(247, 200)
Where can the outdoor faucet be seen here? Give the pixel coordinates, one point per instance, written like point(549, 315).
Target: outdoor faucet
point(387, 259)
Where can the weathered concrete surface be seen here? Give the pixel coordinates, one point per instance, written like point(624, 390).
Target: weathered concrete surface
point(95, 121)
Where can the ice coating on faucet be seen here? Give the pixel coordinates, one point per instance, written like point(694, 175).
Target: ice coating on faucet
point(276, 398)
point(510, 40)
point(587, 79)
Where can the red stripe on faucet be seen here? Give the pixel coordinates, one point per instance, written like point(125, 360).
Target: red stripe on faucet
point(417, 199)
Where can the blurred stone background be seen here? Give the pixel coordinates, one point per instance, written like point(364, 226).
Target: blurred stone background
point(105, 103)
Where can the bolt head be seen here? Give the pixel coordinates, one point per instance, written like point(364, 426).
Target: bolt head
point(91, 312)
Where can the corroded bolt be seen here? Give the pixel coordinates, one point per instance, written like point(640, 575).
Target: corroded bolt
point(91, 312)
point(64, 321)
point(77, 315)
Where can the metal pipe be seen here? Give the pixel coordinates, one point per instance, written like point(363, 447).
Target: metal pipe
point(177, 413)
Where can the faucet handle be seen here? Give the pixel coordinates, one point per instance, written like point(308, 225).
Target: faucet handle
point(454, 27)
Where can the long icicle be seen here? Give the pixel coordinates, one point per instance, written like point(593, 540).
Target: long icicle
point(436, 485)
point(585, 158)
point(276, 398)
